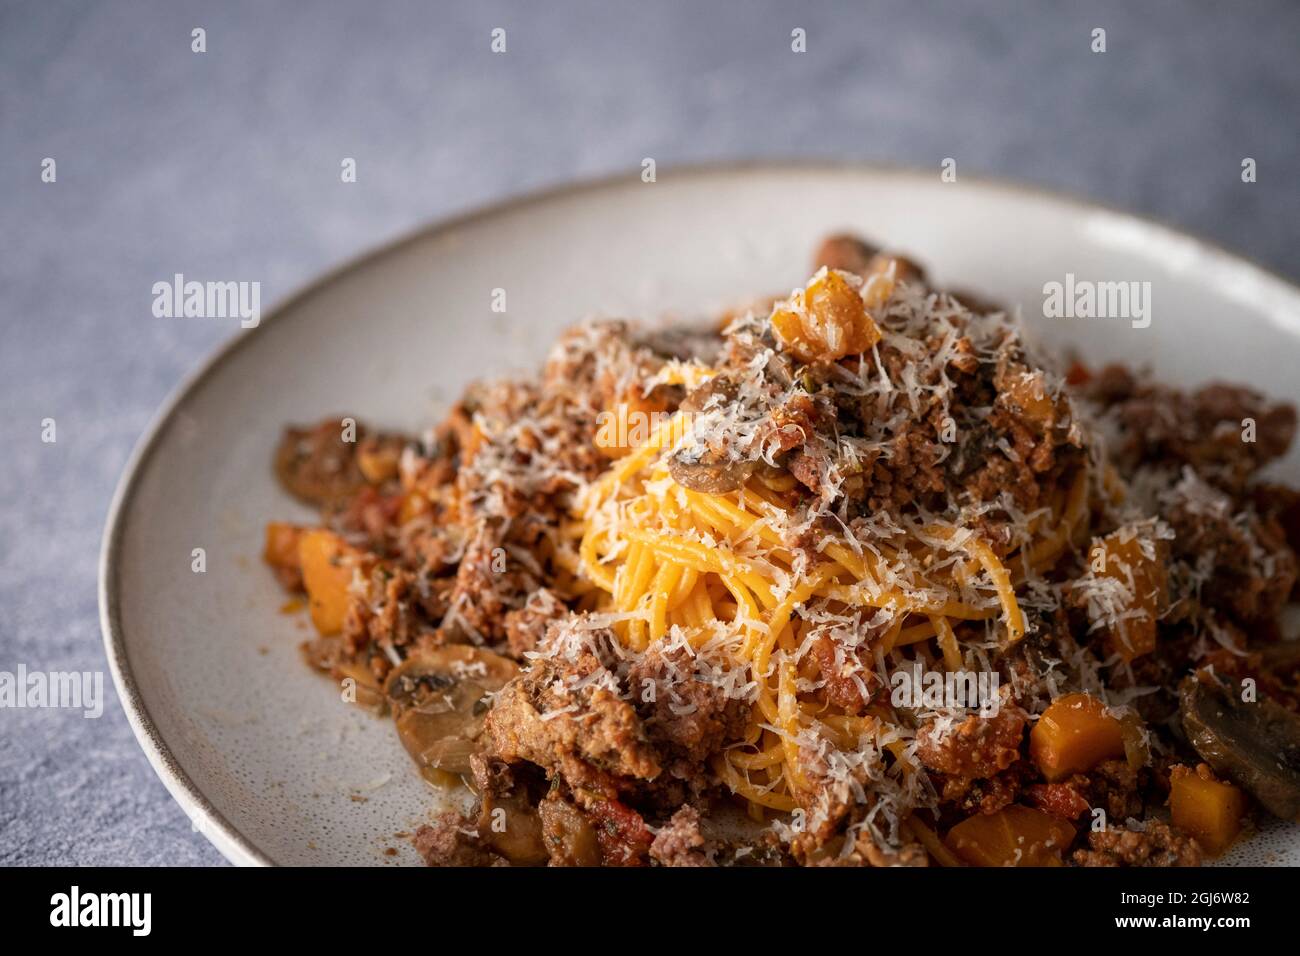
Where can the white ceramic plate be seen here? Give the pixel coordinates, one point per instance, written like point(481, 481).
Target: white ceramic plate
point(262, 753)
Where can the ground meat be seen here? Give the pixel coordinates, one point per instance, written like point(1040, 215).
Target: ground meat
point(845, 814)
point(1282, 504)
point(797, 427)
point(1113, 786)
point(985, 795)
point(978, 747)
point(809, 849)
point(910, 468)
point(601, 362)
point(373, 516)
point(1024, 442)
point(686, 713)
point(524, 447)
point(1203, 429)
point(794, 422)
point(563, 716)
point(1242, 561)
point(1155, 844)
point(1275, 670)
point(920, 437)
point(526, 626)
point(399, 621)
point(680, 842)
point(527, 449)
point(849, 682)
point(925, 439)
point(355, 637)
point(489, 584)
point(451, 840)
point(491, 777)
point(1059, 798)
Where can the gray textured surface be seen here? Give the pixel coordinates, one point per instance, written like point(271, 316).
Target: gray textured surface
point(226, 165)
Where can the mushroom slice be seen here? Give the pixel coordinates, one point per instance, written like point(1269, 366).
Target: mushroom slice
point(439, 699)
point(715, 392)
point(1256, 744)
point(511, 826)
point(710, 467)
point(365, 690)
point(709, 473)
point(318, 465)
point(845, 252)
point(569, 835)
point(684, 343)
point(328, 463)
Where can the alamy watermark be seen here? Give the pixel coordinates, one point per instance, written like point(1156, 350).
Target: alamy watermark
point(70, 690)
point(920, 689)
point(1084, 299)
point(208, 300)
point(133, 911)
point(628, 428)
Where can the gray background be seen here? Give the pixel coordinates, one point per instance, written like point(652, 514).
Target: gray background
point(226, 165)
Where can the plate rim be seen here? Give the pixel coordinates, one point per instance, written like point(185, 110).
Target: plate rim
point(215, 827)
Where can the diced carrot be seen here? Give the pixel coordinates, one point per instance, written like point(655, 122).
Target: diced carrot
point(327, 567)
point(1205, 807)
point(281, 549)
point(1074, 734)
point(828, 319)
point(1014, 836)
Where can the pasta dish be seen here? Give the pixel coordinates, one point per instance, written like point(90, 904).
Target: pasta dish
point(853, 576)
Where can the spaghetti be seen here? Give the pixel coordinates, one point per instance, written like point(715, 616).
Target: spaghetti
point(669, 558)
